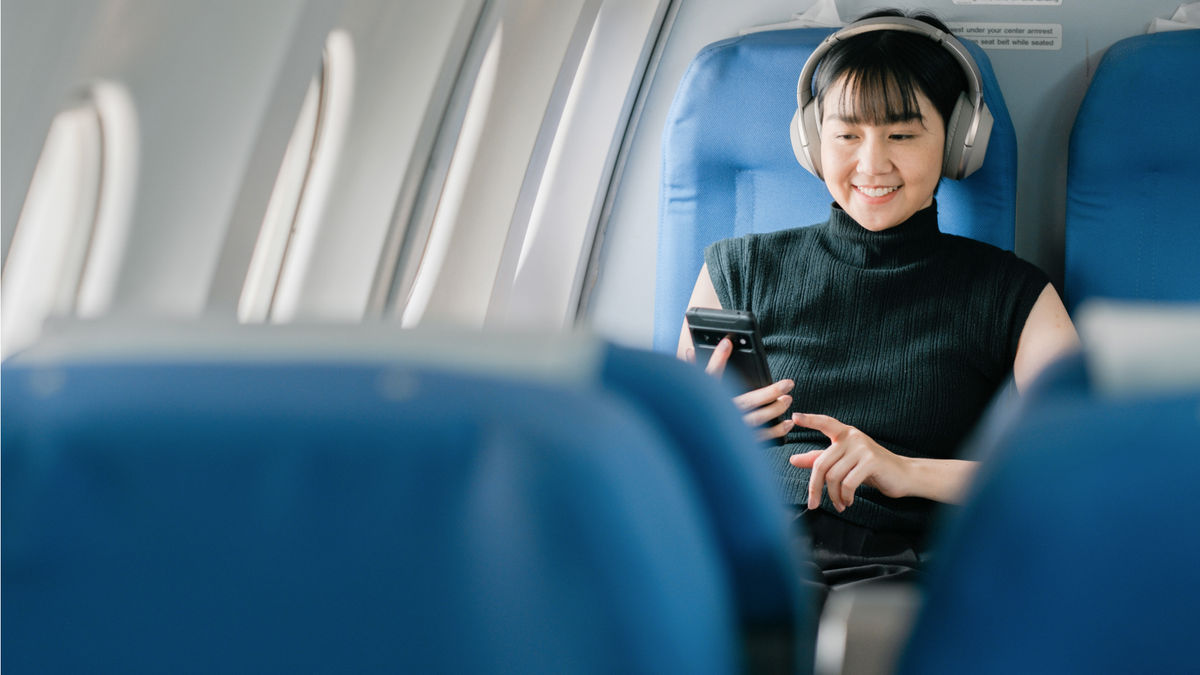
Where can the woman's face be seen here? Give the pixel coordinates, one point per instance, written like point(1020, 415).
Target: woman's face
point(880, 174)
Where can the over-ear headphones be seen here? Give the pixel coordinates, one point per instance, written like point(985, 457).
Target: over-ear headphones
point(967, 130)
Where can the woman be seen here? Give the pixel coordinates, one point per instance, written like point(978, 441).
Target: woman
point(890, 336)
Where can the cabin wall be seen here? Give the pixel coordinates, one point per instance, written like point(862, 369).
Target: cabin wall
point(199, 76)
point(1042, 88)
point(217, 89)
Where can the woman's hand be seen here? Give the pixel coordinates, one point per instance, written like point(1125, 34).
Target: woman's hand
point(852, 459)
point(760, 406)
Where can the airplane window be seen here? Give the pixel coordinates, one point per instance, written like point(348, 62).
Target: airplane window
point(518, 212)
point(302, 186)
point(68, 241)
point(455, 187)
point(259, 290)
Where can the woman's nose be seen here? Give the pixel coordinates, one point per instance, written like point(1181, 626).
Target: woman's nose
point(873, 157)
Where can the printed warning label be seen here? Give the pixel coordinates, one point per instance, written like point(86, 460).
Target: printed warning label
point(1011, 35)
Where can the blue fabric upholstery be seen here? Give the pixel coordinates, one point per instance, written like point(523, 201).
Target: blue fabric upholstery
point(751, 523)
point(1076, 551)
point(252, 517)
point(728, 167)
point(1132, 229)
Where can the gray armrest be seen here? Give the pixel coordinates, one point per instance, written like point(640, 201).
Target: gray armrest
point(864, 628)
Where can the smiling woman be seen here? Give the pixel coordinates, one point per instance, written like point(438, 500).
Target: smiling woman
point(888, 336)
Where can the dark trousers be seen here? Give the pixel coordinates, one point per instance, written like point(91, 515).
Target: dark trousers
point(845, 554)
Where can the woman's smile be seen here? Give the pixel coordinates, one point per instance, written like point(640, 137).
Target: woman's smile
point(873, 192)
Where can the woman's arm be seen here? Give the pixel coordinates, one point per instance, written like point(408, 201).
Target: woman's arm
point(704, 294)
point(853, 458)
point(1047, 335)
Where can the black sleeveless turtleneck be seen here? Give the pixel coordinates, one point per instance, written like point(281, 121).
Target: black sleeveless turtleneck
point(906, 334)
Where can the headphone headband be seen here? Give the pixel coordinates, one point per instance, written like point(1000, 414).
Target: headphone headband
point(968, 137)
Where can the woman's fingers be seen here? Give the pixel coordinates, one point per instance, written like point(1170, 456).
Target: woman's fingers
point(835, 479)
point(764, 396)
point(852, 459)
point(776, 431)
point(766, 404)
point(805, 460)
point(720, 356)
point(851, 482)
point(829, 457)
point(763, 415)
point(822, 423)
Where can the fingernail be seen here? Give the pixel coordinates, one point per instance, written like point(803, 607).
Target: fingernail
point(784, 386)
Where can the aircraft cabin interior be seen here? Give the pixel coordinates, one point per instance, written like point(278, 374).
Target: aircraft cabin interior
point(350, 336)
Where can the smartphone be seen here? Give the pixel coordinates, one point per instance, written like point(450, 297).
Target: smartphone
point(748, 360)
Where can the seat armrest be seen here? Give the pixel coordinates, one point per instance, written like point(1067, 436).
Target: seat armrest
point(863, 628)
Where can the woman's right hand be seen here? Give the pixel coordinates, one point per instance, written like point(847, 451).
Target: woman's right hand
point(759, 406)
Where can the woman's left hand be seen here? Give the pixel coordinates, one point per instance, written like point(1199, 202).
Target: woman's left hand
point(852, 459)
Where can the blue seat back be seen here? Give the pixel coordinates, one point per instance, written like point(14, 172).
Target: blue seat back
point(728, 167)
point(1132, 229)
point(346, 517)
point(751, 523)
point(1076, 551)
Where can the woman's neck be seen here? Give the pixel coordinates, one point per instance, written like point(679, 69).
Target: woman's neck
point(909, 242)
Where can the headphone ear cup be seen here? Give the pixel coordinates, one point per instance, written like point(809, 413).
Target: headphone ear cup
point(956, 131)
point(979, 150)
point(809, 157)
point(957, 153)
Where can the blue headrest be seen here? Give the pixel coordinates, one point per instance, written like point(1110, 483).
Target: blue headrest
point(354, 517)
point(1131, 226)
point(728, 167)
point(1076, 551)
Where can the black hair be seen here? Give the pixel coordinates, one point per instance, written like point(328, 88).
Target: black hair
point(886, 69)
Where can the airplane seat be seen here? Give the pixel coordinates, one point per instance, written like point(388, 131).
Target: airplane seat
point(1131, 226)
point(776, 607)
point(1074, 551)
point(728, 168)
point(218, 512)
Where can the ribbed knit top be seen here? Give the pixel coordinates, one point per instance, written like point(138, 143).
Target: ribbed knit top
point(906, 334)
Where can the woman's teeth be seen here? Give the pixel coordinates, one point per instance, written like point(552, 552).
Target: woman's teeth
point(876, 191)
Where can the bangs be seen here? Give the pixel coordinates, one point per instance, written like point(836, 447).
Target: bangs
point(885, 73)
point(877, 97)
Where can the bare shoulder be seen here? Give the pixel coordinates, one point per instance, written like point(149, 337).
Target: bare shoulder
point(1048, 334)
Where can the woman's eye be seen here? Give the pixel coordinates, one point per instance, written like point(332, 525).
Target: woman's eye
point(901, 137)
